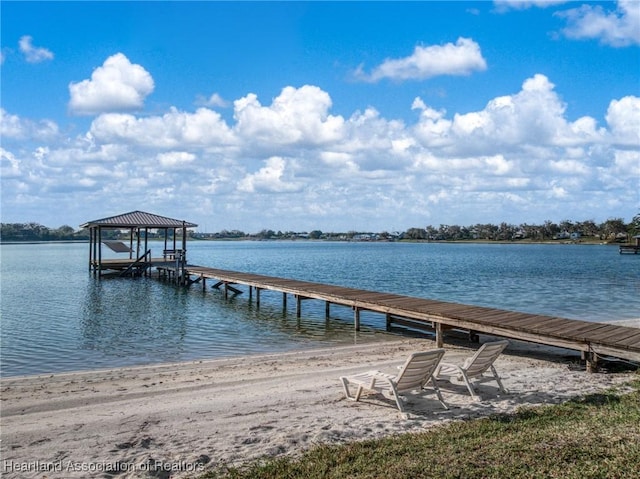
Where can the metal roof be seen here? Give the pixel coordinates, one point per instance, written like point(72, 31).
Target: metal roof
point(138, 219)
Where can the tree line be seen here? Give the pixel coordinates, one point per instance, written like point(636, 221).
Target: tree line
point(614, 229)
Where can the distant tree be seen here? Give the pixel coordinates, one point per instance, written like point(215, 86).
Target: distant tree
point(65, 232)
point(550, 230)
point(416, 234)
point(265, 234)
point(431, 232)
point(315, 234)
point(612, 227)
point(588, 228)
point(634, 226)
point(566, 225)
point(505, 232)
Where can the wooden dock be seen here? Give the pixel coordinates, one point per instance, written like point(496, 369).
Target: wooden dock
point(590, 338)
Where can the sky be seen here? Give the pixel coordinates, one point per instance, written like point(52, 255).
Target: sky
point(331, 116)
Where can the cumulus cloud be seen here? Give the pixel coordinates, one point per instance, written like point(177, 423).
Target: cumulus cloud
point(14, 127)
point(296, 116)
point(117, 85)
point(533, 116)
point(359, 171)
point(175, 159)
point(214, 100)
point(174, 129)
point(618, 28)
point(269, 179)
point(503, 5)
point(462, 58)
point(9, 165)
point(31, 53)
point(623, 117)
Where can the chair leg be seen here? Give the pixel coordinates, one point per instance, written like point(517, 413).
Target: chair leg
point(396, 396)
point(345, 385)
point(358, 393)
point(500, 385)
point(437, 390)
point(469, 386)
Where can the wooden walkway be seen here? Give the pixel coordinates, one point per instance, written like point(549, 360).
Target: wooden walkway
point(591, 338)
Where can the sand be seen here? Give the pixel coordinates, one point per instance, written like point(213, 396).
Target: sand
point(174, 420)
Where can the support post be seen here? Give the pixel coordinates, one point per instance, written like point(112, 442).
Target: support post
point(327, 309)
point(298, 306)
point(99, 243)
point(591, 359)
point(250, 293)
point(204, 284)
point(284, 301)
point(439, 335)
point(356, 318)
point(257, 297)
point(388, 318)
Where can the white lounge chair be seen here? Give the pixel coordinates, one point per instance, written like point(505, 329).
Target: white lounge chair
point(414, 375)
point(475, 367)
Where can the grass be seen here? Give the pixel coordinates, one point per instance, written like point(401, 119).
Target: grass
point(596, 436)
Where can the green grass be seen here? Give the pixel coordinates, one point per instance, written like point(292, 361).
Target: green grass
point(596, 436)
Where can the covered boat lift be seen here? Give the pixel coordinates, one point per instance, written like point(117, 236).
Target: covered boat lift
point(139, 258)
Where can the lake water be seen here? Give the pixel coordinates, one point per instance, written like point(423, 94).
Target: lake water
point(57, 317)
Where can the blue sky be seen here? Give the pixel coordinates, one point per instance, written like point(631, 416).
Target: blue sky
point(336, 116)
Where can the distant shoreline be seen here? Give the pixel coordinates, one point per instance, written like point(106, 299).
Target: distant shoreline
point(289, 240)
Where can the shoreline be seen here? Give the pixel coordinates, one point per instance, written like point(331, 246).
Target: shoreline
point(632, 322)
point(198, 415)
point(586, 242)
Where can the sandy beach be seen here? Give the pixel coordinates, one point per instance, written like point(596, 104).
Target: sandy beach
point(177, 420)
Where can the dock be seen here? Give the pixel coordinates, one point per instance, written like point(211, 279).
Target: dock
point(631, 248)
point(591, 339)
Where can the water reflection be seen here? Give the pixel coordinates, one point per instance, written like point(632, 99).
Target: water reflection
point(133, 318)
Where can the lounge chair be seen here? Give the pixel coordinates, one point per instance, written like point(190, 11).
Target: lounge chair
point(414, 375)
point(475, 367)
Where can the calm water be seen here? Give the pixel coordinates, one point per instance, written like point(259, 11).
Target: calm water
point(56, 317)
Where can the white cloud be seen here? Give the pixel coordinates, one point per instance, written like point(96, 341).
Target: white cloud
point(9, 165)
point(623, 117)
point(503, 5)
point(33, 54)
point(117, 85)
point(272, 178)
point(618, 28)
point(175, 159)
point(14, 127)
point(172, 130)
point(296, 116)
point(462, 58)
point(509, 161)
point(533, 116)
point(214, 100)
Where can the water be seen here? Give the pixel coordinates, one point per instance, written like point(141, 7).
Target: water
point(56, 317)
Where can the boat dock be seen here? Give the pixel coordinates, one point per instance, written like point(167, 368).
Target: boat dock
point(592, 339)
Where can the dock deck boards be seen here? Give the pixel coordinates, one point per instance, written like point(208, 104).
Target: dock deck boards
point(585, 336)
